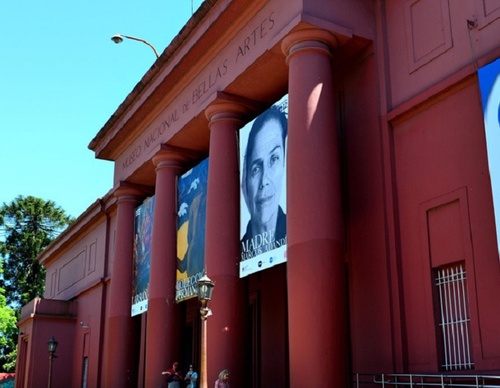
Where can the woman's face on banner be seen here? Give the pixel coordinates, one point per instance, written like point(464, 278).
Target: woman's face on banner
point(265, 173)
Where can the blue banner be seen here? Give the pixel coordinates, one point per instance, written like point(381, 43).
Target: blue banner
point(191, 216)
point(489, 84)
point(142, 255)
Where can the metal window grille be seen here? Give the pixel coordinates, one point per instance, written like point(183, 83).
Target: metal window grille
point(400, 380)
point(451, 283)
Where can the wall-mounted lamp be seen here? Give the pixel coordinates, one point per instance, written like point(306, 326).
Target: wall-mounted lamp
point(118, 38)
point(52, 344)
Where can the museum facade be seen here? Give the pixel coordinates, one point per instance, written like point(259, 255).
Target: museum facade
point(379, 185)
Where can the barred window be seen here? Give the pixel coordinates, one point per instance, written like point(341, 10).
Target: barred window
point(454, 318)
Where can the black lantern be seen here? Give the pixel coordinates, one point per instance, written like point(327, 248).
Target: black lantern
point(52, 349)
point(52, 345)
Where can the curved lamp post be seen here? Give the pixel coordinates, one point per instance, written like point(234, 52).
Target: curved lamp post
point(118, 38)
point(52, 344)
point(205, 290)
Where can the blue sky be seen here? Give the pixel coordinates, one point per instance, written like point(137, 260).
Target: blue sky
point(61, 78)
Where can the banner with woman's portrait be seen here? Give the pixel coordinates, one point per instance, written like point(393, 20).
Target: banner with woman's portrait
point(263, 190)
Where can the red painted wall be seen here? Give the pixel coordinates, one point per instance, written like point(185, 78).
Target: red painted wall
point(440, 158)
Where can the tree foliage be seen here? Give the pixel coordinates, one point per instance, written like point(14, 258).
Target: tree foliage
point(8, 333)
point(29, 224)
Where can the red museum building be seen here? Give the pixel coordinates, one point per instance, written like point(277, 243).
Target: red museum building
point(389, 263)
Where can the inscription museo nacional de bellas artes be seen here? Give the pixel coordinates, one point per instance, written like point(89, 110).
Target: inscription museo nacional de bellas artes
point(183, 106)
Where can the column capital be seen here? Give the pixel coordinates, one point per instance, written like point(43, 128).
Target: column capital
point(128, 192)
point(230, 107)
point(309, 39)
point(174, 157)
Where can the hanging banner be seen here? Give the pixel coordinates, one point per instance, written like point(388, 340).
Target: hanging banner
point(142, 255)
point(263, 190)
point(489, 84)
point(191, 216)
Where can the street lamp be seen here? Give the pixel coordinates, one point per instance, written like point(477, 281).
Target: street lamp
point(118, 38)
point(52, 349)
point(205, 290)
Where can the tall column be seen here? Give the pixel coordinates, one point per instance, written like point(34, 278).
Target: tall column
point(227, 327)
point(317, 298)
point(162, 334)
point(119, 368)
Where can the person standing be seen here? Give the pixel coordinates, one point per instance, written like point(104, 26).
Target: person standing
point(174, 376)
point(223, 380)
point(191, 377)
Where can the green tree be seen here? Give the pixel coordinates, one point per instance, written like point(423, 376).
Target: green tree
point(28, 224)
point(8, 333)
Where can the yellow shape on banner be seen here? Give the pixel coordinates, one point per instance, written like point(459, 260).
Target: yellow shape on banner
point(182, 246)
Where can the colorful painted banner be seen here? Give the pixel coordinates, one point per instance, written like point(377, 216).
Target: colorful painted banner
point(142, 255)
point(263, 190)
point(489, 83)
point(191, 216)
